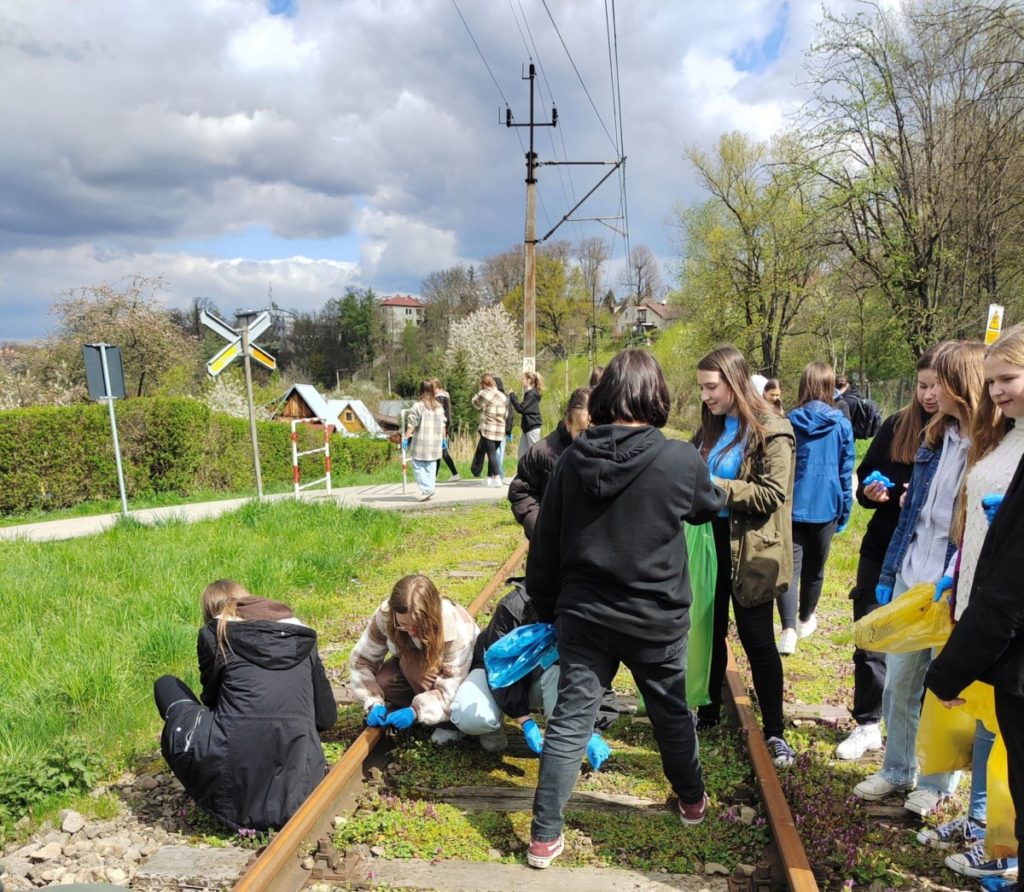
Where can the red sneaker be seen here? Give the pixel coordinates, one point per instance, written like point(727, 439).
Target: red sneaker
point(693, 812)
point(541, 854)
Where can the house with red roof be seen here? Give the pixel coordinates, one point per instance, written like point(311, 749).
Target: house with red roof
point(398, 311)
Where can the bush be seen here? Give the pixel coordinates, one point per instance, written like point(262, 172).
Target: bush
point(57, 456)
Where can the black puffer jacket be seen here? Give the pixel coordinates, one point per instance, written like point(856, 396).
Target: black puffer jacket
point(252, 754)
point(527, 487)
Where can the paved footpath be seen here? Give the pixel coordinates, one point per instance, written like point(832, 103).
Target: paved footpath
point(385, 496)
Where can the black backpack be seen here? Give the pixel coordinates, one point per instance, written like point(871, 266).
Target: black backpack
point(865, 416)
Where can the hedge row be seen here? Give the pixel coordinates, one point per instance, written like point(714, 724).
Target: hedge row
point(57, 456)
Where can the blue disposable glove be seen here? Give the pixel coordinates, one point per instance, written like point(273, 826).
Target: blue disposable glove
point(878, 477)
point(883, 593)
point(843, 525)
point(509, 438)
point(990, 504)
point(405, 444)
point(375, 717)
point(597, 751)
point(401, 718)
point(534, 739)
point(942, 586)
point(444, 443)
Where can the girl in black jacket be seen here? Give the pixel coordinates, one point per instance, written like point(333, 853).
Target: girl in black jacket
point(249, 753)
point(891, 454)
point(529, 408)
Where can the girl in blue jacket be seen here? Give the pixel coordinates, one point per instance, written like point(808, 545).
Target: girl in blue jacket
point(822, 497)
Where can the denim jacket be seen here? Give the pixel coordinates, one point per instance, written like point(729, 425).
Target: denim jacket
point(926, 463)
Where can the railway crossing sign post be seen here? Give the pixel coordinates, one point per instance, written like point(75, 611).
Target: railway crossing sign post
point(241, 343)
point(104, 375)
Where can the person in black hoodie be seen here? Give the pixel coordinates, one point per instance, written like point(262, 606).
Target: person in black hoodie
point(608, 565)
point(249, 752)
point(529, 408)
point(527, 488)
point(988, 641)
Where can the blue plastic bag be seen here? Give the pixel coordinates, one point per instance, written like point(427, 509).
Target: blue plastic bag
point(519, 652)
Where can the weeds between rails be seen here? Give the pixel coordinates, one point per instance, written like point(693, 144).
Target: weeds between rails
point(459, 804)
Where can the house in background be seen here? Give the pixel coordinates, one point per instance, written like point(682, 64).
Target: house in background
point(398, 311)
point(347, 416)
point(640, 319)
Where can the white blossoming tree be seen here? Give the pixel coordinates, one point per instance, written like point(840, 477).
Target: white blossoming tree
point(489, 342)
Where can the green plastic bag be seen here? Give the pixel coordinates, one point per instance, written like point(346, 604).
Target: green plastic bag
point(703, 563)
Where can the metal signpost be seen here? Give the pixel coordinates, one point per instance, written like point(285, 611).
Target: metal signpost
point(240, 343)
point(104, 375)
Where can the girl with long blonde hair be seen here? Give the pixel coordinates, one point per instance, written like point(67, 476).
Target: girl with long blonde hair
point(415, 652)
point(529, 408)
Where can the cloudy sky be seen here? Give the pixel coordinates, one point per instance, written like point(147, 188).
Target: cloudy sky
point(232, 146)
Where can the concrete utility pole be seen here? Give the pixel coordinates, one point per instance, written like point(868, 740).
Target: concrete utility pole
point(530, 240)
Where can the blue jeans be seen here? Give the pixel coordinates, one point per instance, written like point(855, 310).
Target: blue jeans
point(977, 805)
point(589, 655)
point(901, 707)
point(500, 456)
point(425, 473)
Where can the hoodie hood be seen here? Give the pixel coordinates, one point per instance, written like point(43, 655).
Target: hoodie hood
point(814, 419)
point(609, 457)
point(269, 644)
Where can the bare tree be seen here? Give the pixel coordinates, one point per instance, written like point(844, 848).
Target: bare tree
point(501, 274)
point(642, 275)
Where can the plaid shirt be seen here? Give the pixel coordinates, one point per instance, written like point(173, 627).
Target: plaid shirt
point(492, 405)
point(426, 426)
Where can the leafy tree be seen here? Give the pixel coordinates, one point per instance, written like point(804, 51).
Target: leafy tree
point(131, 318)
point(562, 308)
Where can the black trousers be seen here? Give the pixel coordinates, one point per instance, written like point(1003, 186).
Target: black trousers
point(756, 629)
point(868, 665)
point(168, 690)
point(1010, 713)
point(811, 543)
point(448, 461)
point(486, 449)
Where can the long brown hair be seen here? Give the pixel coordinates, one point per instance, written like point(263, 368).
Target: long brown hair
point(989, 425)
point(536, 381)
point(418, 597)
point(427, 394)
point(817, 382)
point(961, 373)
point(912, 418)
point(220, 602)
point(750, 405)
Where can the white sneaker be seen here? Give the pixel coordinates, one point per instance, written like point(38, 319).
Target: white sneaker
point(424, 496)
point(923, 802)
point(862, 739)
point(787, 642)
point(806, 629)
point(877, 787)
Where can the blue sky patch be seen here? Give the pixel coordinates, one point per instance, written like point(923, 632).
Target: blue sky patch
point(259, 243)
point(756, 57)
point(282, 7)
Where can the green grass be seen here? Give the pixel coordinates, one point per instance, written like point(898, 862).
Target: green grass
point(90, 623)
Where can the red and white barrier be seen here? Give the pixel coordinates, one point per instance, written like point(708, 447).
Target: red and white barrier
point(325, 449)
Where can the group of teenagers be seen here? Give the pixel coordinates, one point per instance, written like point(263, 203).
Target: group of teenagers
point(427, 425)
point(604, 500)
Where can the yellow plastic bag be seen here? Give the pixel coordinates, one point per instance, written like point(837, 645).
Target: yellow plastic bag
point(945, 737)
point(1000, 841)
point(913, 621)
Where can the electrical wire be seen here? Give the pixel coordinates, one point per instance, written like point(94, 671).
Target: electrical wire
point(481, 52)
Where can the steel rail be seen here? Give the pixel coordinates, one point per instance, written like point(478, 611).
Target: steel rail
point(278, 868)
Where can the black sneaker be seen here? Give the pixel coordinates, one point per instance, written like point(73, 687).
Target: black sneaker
point(781, 752)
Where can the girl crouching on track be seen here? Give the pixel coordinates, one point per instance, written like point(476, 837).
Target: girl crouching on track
point(249, 753)
point(415, 652)
point(608, 565)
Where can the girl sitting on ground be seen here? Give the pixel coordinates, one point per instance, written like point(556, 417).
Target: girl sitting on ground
point(412, 657)
point(249, 752)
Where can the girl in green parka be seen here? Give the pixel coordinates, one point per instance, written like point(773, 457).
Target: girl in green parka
point(751, 453)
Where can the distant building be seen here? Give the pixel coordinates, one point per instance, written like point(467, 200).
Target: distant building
point(347, 416)
point(398, 311)
point(640, 319)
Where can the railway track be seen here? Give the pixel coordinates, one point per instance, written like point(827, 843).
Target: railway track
point(303, 852)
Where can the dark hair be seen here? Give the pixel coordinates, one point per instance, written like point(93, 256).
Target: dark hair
point(595, 375)
point(841, 381)
point(733, 369)
point(632, 389)
point(912, 418)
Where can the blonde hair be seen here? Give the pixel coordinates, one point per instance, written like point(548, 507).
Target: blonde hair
point(220, 602)
point(536, 381)
point(750, 405)
point(912, 418)
point(961, 373)
point(577, 413)
point(989, 425)
point(417, 596)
